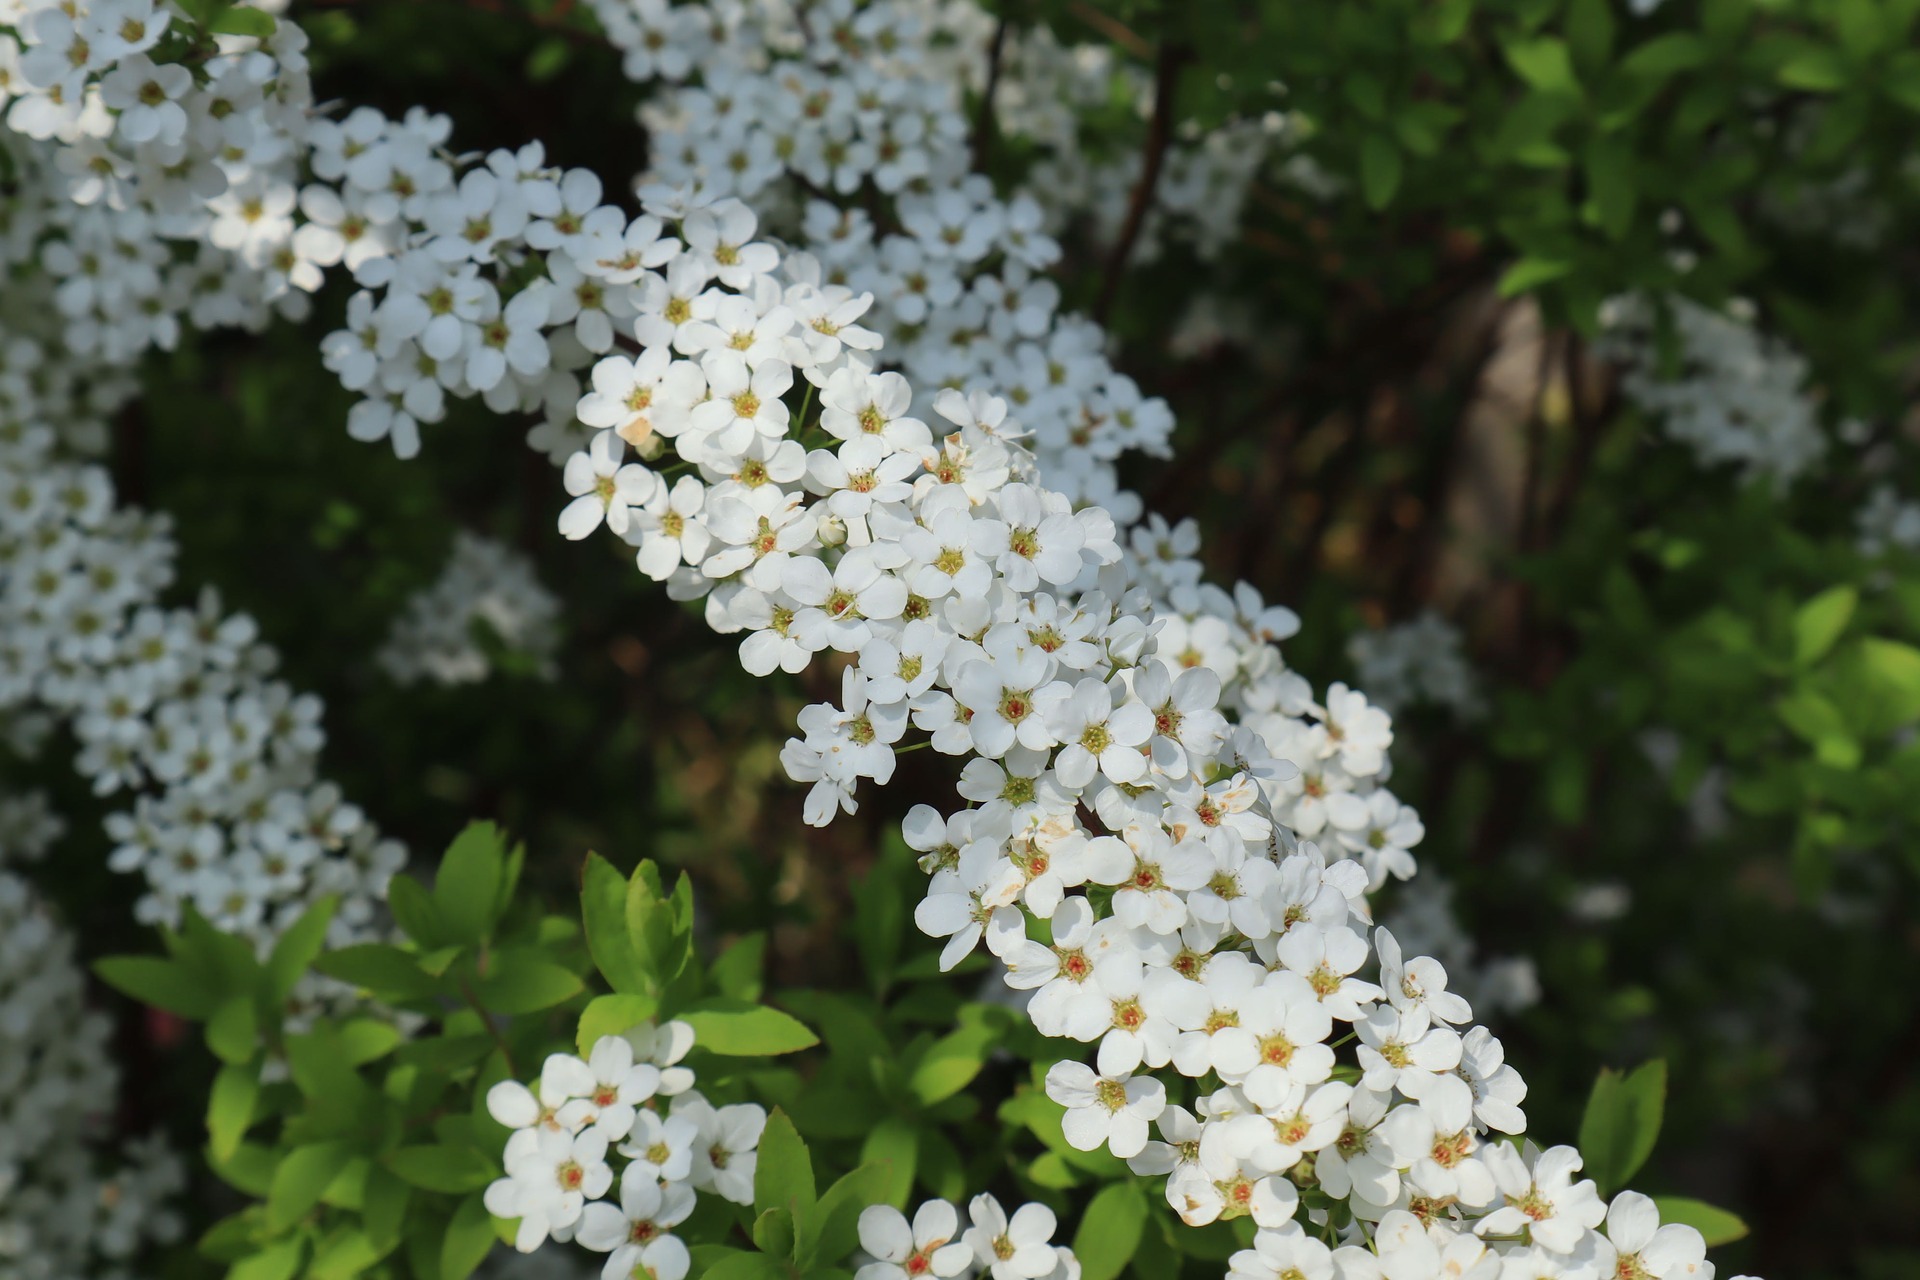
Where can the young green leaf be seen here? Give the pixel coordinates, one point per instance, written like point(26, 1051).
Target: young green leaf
point(951, 1062)
point(603, 909)
point(466, 888)
point(1716, 1225)
point(1110, 1231)
point(522, 984)
point(1622, 1122)
point(893, 1146)
point(297, 947)
point(234, 1030)
point(612, 1015)
point(468, 1240)
point(442, 1168)
point(300, 1179)
point(415, 911)
point(278, 1261)
point(164, 984)
point(737, 971)
point(741, 1030)
point(783, 1173)
point(1818, 623)
point(230, 1107)
point(832, 1230)
point(384, 970)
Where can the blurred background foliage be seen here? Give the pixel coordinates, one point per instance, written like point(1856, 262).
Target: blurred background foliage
point(1394, 404)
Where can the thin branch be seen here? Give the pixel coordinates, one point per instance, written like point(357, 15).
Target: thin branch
point(1111, 27)
point(983, 123)
point(1166, 79)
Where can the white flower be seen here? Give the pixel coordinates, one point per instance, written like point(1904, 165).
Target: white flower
point(1104, 1110)
point(648, 1210)
point(1637, 1245)
point(1287, 1253)
point(603, 488)
point(1104, 731)
point(1541, 1196)
point(1019, 1248)
point(550, 1177)
point(908, 1252)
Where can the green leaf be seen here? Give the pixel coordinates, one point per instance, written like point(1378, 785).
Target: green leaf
point(387, 1198)
point(230, 1107)
point(1529, 274)
point(365, 1040)
point(1543, 63)
point(1611, 184)
point(339, 1100)
point(748, 1266)
point(249, 1169)
point(297, 948)
point(278, 1261)
point(437, 1167)
point(612, 1015)
point(833, 1228)
point(893, 1145)
point(384, 970)
point(233, 1031)
point(243, 22)
point(773, 1232)
point(300, 1178)
point(1894, 669)
point(654, 925)
point(951, 1062)
point(783, 1173)
point(466, 888)
point(1110, 1231)
point(1661, 56)
point(164, 984)
point(739, 1030)
point(737, 972)
point(343, 1254)
point(468, 1240)
point(879, 919)
point(415, 912)
point(1622, 1122)
point(1818, 721)
point(1818, 624)
point(520, 983)
point(603, 909)
point(1590, 32)
point(1379, 169)
point(1717, 1225)
point(1816, 68)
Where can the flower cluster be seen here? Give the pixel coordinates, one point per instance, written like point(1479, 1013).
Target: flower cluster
point(1737, 396)
point(1887, 523)
point(140, 134)
point(174, 708)
point(1417, 663)
point(584, 1116)
point(59, 1215)
point(28, 827)
point(995, 1244)
point(485, 585)
point(1168, 836)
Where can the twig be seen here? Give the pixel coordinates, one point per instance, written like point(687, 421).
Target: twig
point(486, 1020)
point(983, 124)
point(1166, 78)
point(1111, 27)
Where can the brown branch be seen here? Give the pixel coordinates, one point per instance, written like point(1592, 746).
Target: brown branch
point(983, 123)
point(1111, 27)
point(1166, 79)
